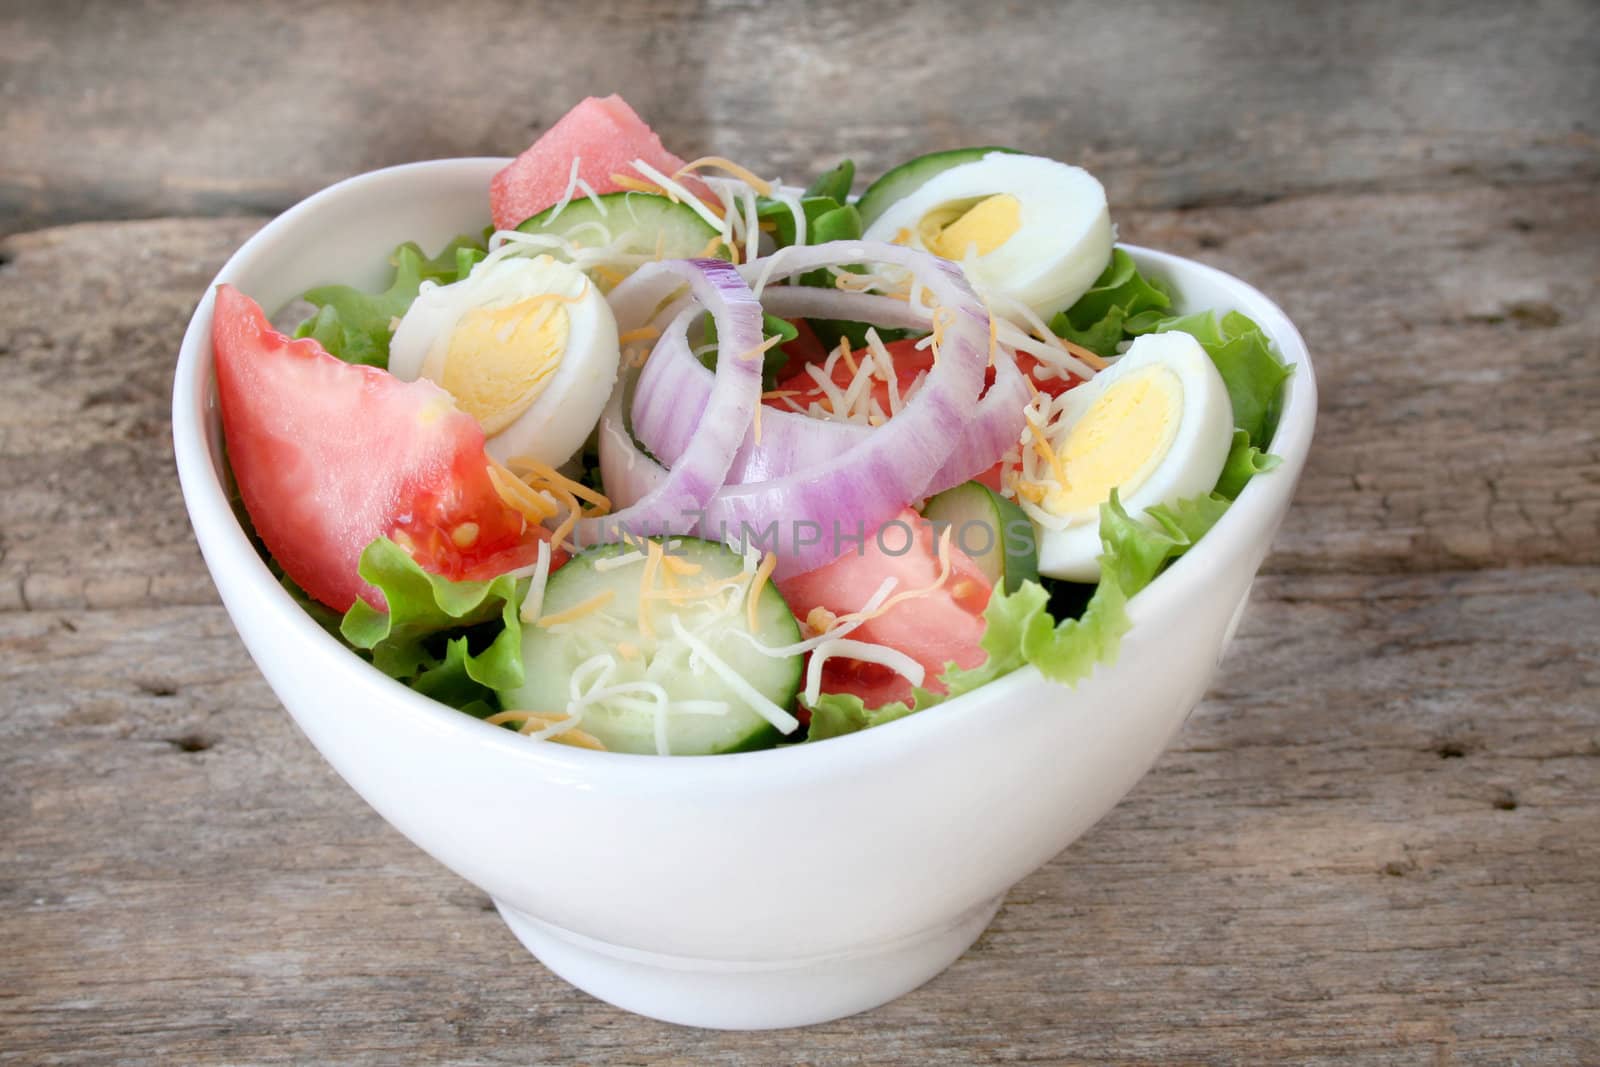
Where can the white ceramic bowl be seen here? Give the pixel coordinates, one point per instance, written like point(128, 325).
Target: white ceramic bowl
point(765, 889)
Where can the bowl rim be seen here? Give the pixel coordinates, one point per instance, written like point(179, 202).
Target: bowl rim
point(206, 499)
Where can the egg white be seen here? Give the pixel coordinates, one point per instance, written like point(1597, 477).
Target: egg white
point(1069, 545)
point(1063, 243)
point(554, 427)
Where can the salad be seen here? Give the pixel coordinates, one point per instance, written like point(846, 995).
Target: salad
point(675, 459)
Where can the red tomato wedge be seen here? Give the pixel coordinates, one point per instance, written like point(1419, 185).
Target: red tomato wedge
point(942, 626)
point(805, 348)
point(330, 456)
point(605, 136)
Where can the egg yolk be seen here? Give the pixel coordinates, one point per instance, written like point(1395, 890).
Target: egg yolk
point(500, 359)
point(1120, 440)
point(984, 226)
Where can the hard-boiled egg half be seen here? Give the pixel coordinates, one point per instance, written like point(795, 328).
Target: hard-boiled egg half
point(1156, 426)
point(527, 346)
point(1024, 227)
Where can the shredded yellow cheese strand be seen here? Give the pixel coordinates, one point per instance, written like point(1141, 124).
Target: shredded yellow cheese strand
point(760, 185)
point(536, 720)
point(547, 474)
point(679, 565)
point(761, 349)
point(1084, 354)
point(579, 610)
point(643, 333)
point(647, 585)
point(1041, 445)
point(937, 584)
point(757, 585)
point(639, 185)
point(516, 494)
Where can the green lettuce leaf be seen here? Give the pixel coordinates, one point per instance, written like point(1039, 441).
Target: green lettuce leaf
point(1099, 320)
point(356, 326)
point(450, 681)
point(834, 184)
point(1244, 462)
point(424, 606)
point(780, 218)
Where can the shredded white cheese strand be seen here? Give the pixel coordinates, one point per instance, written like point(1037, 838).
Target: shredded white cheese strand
point(846, 624)
point(863, 651)
point(611, 563)
point(697, 205)
point(533, 603)
point(761, 705)
point(571, 191)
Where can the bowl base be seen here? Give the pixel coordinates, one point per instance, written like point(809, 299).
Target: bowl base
point(738, 995)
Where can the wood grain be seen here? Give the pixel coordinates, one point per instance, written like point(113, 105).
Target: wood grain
point(1377, 840)
point(255, 106)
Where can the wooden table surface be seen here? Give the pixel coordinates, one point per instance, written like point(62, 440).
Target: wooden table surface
point(1378, 839)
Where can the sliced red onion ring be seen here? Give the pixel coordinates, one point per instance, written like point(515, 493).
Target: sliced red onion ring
point(994, 427)
point(672, 503)
point(674, 386)
point(805, 514)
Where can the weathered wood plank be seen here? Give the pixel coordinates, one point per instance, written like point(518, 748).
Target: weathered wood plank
point(254, 106)
point(1376, 839)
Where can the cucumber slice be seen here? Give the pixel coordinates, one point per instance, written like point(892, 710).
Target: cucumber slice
point(908, 177)
point(996, 533)
point(554, 655)
point(642, 223)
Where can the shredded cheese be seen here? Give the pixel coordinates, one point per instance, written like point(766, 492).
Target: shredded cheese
point(678, 193)
point(617, 562)
point(819, 620)
point(541, 721)
point(647, 584)
point(643, 333)
point(594, 198)
point(863, 651)
point(1042, 446)
point(578, 610)
point(761, 705)
point(945, 563)
point(679, 565)
point(545, 475)
point(1094, 359)
point(743, 174)
point(639, 185)
point(752, 232)
point(758, 583)
point(842, 625)
point(517, 495)
point(533, 601)
point(767, 270)
point(572, 189)
point(712, 245)
point(756, 351)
